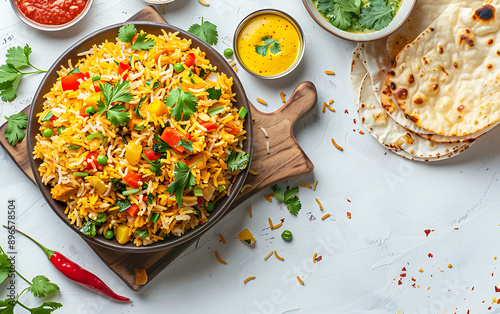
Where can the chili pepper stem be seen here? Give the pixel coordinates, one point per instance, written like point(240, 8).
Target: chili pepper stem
point(48, 252)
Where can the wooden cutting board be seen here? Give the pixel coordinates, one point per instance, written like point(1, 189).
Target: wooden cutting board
point(286, 160)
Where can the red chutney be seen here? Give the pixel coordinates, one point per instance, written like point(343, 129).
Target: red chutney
point(51, 12)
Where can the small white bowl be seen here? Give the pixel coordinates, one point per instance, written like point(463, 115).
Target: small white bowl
point(48, 27)
point(403, 13)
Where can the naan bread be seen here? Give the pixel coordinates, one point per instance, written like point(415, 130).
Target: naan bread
point(445, 81)
point(387, 131)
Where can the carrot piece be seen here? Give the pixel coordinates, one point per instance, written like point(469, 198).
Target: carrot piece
point(141, 277)
point(337, 145)
point(219, 259)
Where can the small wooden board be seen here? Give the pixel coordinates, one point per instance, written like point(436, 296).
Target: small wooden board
point(286, 160)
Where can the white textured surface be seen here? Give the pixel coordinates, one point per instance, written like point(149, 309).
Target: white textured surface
point(392, 202)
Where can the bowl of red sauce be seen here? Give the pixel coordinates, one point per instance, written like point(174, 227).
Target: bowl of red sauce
point(51, 15)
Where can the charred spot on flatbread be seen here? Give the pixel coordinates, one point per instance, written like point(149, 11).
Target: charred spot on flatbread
point(484, 13)
point(402, 93)
point(465, 36)
point(411, 118)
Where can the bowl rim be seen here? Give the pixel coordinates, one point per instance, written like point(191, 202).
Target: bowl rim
point(221, 207)
point(358, 37)
point(253, 14)
point(46, 27)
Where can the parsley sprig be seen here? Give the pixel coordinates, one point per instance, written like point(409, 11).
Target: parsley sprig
point(289, 197)
point(117, 114)
point(205, 31)
point(126, 34)
point(40, 286)
point(183, 179)
point(16, 124)
point(268, 42)
point(10, 73)
point(183, 103)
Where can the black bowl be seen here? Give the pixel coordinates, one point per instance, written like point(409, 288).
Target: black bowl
point(110, 33)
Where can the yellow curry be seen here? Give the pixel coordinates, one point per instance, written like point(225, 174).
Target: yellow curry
point(269, 44)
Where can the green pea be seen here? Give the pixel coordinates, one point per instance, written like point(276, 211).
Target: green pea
point(102, 160)
point(153, 168)
point(228, 53)
point(89, 111)
point(96, 77)
point(47, 132)
point(179, 67)
point(60, 130)
point(109, 234)
point(286, 235)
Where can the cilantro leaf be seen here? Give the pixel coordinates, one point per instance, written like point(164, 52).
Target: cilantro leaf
point(8, 89)
point(206, 32)
point(19, 57)
point(268, 42)
point(237, 161)
point(377, 15)
point(161, 147)
point(278, 193)
point(46, 308)
point(214, 93)
point(136, 110)
point(123, 205)
point(325, 6)
point(16, 124)
point(117, 185)
point(88, 229)
point(42, 287)
point(8, 73)
point(7, 306)
point(150, 198)
point(187, 145)
point(341, 19)
point(183, 103)
point(126, 33)
point(141, 43)
point(289, 197)
point(118, 114)
point(183, 178)
point(155, 85)
point(353, 6)
point(142, 233)
point(101, 217)
point(5, 266)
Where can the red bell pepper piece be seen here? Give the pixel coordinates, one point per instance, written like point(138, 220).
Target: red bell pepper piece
point(151, 155)
point(76, 273)
point(190, 59)
point(234, 130)
point(91, 161)
point(133, 210)
point(173, 136)
point(122, 67)
point(72, 81)
point(210, 126)
point(133, 178)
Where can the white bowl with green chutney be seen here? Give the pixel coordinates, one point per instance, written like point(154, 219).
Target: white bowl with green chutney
point(269, 43)
point(361, 20)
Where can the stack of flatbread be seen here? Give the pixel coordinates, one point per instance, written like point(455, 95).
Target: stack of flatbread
point(432, 88)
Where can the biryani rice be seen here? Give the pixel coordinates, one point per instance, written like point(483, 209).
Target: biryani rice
point(210, 148)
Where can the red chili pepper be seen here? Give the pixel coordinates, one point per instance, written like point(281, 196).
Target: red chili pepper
point(76, 273)
point(91, 161)
point(209, 125)
point(151, 155)
point(72, 81)
point(133, 179)
point(190, 59)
